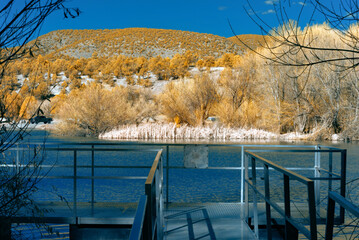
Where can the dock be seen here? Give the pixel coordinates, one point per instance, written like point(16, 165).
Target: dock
point(160, 211)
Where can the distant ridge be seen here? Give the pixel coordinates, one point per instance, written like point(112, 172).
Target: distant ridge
point(134, 42)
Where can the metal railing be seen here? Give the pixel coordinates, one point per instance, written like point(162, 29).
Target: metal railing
point(319, 170)
point(92, 166)
point(73, 174)
point(333, 198)
point(167, 164)
point(291, 225)
point(316, 150)
point(148, 222)
point(138, 222)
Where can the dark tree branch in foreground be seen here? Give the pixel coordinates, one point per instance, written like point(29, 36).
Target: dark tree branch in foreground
point(20, 21)
point(288, 41)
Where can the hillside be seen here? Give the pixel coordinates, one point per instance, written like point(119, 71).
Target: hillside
point(134, 42)
point(251, 41)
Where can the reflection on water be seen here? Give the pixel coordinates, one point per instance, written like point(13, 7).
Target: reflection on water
point(185, 185)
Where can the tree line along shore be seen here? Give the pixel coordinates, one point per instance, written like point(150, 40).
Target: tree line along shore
point(95, 95)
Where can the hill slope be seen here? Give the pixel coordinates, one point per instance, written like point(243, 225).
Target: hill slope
point(134, 42)
point(251, 41)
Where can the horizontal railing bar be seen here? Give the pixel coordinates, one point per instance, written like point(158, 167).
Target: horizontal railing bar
point(102, 149)
point(96, 177)
point(73, 220)
point(330, 147)
point(224, 168)
point(143, 167)
point(324, 178)
point(273, 204)
point(330, 173)
point(280, 169)
point(344, 203)
point(211, 168)
point(104, 220)
point(240, 168)
point(177, 144)
point(87, 149)
point(72, 166)
point(132, 166)
point(102, 166)
point(294, 150)
point(162, 144)
point(125, 177)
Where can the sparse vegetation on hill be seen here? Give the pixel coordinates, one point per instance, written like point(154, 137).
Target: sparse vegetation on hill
point(252, 41)
point(133, 42)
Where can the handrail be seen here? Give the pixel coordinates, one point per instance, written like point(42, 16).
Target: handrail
point(333, 198)
point(153, 221)
point(154, 167)
point(281, 169)
point(291, 225)
point(137, 227)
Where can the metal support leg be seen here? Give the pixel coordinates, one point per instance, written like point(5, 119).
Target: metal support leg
point(291, 232)
point(92, 179)
point(267, 196)
point(167, 174)
point(255, 207)
point(75, 183)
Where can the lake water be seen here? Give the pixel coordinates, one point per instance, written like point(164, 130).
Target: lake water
point(185, 185)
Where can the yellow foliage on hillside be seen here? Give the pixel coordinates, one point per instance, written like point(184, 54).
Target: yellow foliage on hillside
point(251, 41)
point(134, 42)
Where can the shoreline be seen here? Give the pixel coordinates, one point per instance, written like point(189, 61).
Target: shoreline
point(170, 131)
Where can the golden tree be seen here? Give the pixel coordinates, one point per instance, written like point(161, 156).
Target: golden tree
point(190, 101)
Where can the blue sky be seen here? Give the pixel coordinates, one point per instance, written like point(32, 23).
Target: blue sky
point(204, 16)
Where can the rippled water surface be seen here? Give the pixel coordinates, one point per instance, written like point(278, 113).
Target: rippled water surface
point(184, 185)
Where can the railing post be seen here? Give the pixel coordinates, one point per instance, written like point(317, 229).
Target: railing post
point(330, 219)
point(75, 183)
point(255, 207)
point(330, 171)
point(160, 226)
point(312, 211)
point(242, 173)
point(17, 158)
point(290, 231)
point(92, 178)
point(267, 196)
point(167, 174)
point(343, 163)
point(147, 228)
point(246, 200)
point(317, 175)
